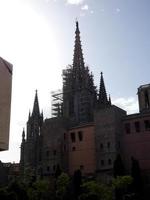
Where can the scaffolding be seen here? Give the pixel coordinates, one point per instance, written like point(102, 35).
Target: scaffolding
point(56, 103)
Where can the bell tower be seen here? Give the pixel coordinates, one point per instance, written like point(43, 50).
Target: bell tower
point(144, 98)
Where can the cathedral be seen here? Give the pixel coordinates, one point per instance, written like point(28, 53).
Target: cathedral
point(87, 131)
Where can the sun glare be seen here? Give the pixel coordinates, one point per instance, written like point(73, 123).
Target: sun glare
point(28, 42)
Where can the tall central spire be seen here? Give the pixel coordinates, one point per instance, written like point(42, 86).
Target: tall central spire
point(36, 110)
point(78, 60)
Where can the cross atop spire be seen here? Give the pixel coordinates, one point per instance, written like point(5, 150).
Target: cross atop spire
point(102, 92)
point(36, 110)
point(78, 60)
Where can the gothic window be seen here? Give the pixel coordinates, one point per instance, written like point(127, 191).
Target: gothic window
point(109, 162)
point(127, 128)
point(118, 144)
point(40, 156)
point(64, 148)
point(73, 148)
point(54, 167)
point(108, 145)
point(47, 153)
point(54, 152)
point(101, 146)
point(147, 103)
point(64, 136)
point(102, 163)
point(137, 126)
point(73, 139)
point(80, 135)
point(48, 168)
point(147, 125)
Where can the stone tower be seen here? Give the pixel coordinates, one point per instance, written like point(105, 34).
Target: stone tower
point(79, 93)
point(31, 143)
point(144, 98)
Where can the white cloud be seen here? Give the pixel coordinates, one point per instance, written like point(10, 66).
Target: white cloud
point(85, 7)
point(102, 10)
point(91, 11)
point(75, 2)
point(117, 10)
point(129, 104)
point(47, 1)
point(82, 14)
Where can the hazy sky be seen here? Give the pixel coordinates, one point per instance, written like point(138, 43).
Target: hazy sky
point(37, 37)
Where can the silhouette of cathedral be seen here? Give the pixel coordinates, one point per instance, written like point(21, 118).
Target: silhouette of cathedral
point(87, 132)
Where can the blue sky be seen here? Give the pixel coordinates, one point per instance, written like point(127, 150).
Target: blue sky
point(37, 37)
point(115, 38)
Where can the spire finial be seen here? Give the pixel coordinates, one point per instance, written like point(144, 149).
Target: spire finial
point(102, 92)
point(36, 105)
point(77, 25)
point(109, 99)
point(78, 61)
point(29, 114)
point(23, 135)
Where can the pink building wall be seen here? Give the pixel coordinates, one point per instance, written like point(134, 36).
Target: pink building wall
point(137, 144)
point(82, 153)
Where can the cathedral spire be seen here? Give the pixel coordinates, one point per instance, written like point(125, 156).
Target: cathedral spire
point(23, 135)
point(36, 110)
point(78, 60)
point(109, 99)
point(102, 92)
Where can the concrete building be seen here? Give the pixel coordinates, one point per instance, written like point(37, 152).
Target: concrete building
point(5, 102)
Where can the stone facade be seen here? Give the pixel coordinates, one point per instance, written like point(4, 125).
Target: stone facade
point(108, 132)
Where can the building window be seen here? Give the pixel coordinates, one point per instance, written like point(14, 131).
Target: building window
point(80, 135)
point(54, 167)
point(40, 156)
point(64, 148)
point(102, 163)
point(64, 136)
point(54, 152)
point(109, 162)
point(101, 146)
point(147, 125)
point(127, 128)
point(108, 145)
point(73, 148)
point(147, 103)
point(47, 153)
point(137, 126)
point(81, 167)
point(118, 144)
point(48, 168)
point(73, 139)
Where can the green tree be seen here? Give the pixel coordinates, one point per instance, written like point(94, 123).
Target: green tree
point(40, 190)
point(120, 186)
point(95, 191)
point(62, 184)
point(122, 182)
point(29, 176)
